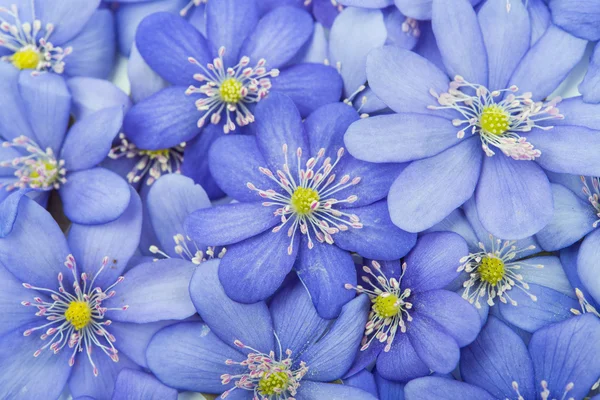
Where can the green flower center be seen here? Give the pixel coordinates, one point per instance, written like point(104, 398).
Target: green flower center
point(302, 199)
point(273, 383)
point(491, 270)
point(494, 120)
point(231, 90)
point(386, 305)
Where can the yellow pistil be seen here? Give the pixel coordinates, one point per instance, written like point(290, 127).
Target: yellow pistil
point(26, 58)
point(491, 270)
point(273, 383)
point(302, 200)
point(231, 90)
point(494, 120)
point(79, 314)
point(154, 154)
point(386, 305)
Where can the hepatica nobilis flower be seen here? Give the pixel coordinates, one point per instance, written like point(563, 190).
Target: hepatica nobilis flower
point(253, 351)
point(69, 312)
point(561, 362)
point(416, 326)
point(303, 204)
point(41, 152)
point(481, 126)
point(71, 37)
point(218, 78)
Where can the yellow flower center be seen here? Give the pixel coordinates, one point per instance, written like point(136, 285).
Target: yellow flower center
point(47, 165)
point(386, 305)
point(231, 90)
point(494, 120)
point(154, 154)
point(302, 200)
point(273, 383)
point(491, 270)
point(79, 314)
point(26, 58)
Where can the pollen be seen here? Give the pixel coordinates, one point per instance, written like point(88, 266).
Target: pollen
point(302, 200)
point(154, 154)
point(494, 120)
point(79, 314)
point(231, 90)
point(386, 305)
point(26, 58)
point(491, 270)
point(273, 383)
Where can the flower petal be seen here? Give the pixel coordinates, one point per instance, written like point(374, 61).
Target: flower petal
point(133, 338)
point(196, 161)
point(432, 387)
point(401, 363)
point(14, 118)
point(12, 293)
point(578, 17)
point(143, 81)
point(309, 390)
point(91, 95)
point(589, 88)
point(389, 390)
point(437, 349)
point(540, 18)
point(69, 17)
point(136, 385)
point(587, 263)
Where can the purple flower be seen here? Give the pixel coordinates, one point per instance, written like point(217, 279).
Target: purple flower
point(415, 326)
point(71, 37)
point(254, 351)
point(487, 131)
point(68, 313)
point(218, 79)
point(561, 362)
point(43, 153)
point(528, 292)
point(137, 385)
point(303, 204)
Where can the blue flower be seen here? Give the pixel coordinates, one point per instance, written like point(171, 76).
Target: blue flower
point(219, 79)
point(417, 9)
point(473, 140)
point(40, 154)
point(415, 326)
point(68, 313)
point(579, 18)
point(303, 203)
point(71, 37)
point(561, 362)
point(255, 351)
point(529, 292)
point(137, 385)
point(583, 273)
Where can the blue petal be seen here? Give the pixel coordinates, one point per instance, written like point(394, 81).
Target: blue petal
point(539, 15)
point(90, 139)
point(378, 238)
point(200, 360)
point(332, 355)
point(389, 390)
point(163, 120)
point(91, 95)
point(568, 354)
point(436, 348)
point(230, 321)
point(572, 220)
point(428, 190)
point(316, 391)
point(94, 196)
point(427, 45)
point(513, 198)
point(458, 223)
point(133, 339)
point(47, 104)
point(94, 48)
point(401, 363)
point(14, 314)
point(496, 359)
point(170, 200)
point(367, 3)
point(324, 270)
point(166, 41)
point(504, 27)
point(578, 112)
point(568, 259)
point(366, 358)
point(432, 387)
point(24, 377)
point(116, 240)
point(295, 319)
point(196, 161)
point(9, 206)
point(278, 36)
point(255, 268)
point(229, 223)
point(315, 50)
point(587, 263)
point(363, 380)
point(35, 249)
point(590, 86)
point(143, 81)
point(136, 385)
point(69, 17)
point(579, 18)
point(401, 31)
point(460, 40)
point(353, 35)
point(551, 275)
point(400, 137)
point(325, 128)
point(14, 120)
point(165, 282)
point(309, 85)
point(559, 52)
point(433, 262)
point(403, 79)
point(228, 24)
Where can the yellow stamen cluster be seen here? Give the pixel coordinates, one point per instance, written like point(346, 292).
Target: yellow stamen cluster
point(494, 120)
point(231, 90)
point(273, 383)
point(154, 154)
point(79, 314)
point(491, 270)
point(302, 200)
point(26, 58)
point(386, 305)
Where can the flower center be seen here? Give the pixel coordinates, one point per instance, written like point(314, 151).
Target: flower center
point(497, 120)
point(228, 90)
point(593, 194)
point(79, 314)
point(37, 170)
point(152, 164)
point(76, 319)
point(26, 58)
point(300, 199)
point(491, 270)
point(389, 306)
point(304, 199)
point(273, 383)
